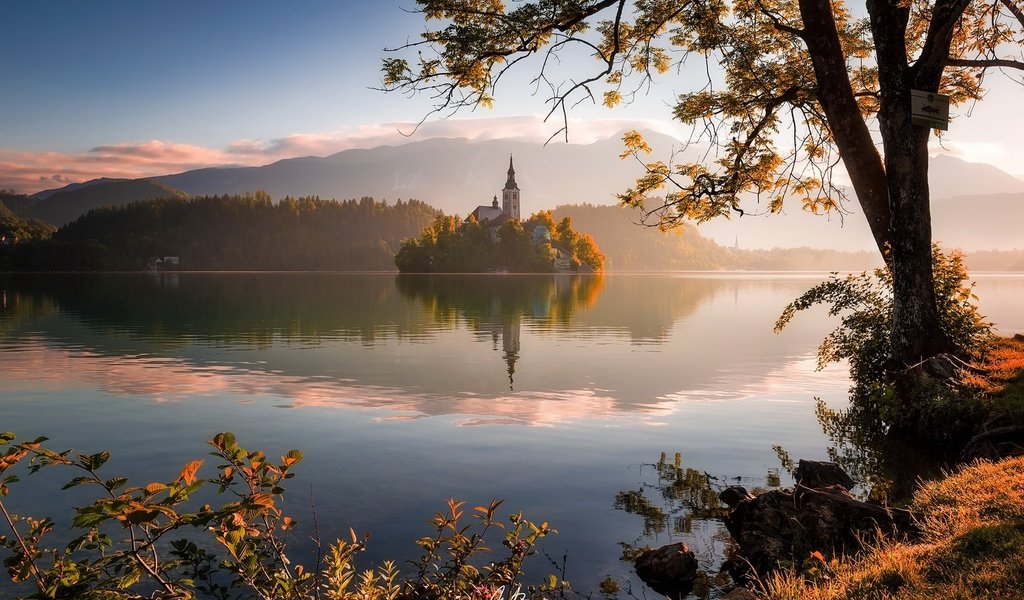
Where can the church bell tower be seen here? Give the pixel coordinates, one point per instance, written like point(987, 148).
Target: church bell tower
point(510, 195)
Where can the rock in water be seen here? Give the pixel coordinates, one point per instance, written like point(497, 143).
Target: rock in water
point(733, 495)
point(670, 570)
point(783, 527)
point(818, 474)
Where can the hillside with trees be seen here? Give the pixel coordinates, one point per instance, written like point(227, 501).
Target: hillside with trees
point(449, 245)
point(14, 228)
point(630, 246)
point(65, 206)
point(248, 232)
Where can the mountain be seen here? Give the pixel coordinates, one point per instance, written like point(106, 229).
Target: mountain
point(949, 176)
point(453, 174)
point(75, 186)
point(950, 179)
point(631, 247)
point(980, 222)
point(63, 207)
point(628, 246)
point(456, 175)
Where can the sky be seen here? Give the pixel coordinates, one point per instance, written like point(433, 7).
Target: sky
point(132, 88)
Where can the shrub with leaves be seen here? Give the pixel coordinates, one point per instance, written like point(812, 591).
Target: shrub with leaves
point(126, 550)
point(864, 302)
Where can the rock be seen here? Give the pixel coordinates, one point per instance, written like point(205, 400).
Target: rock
point(1018, 337)
point(783, 527)
point(733, 495)
point(670, 570)
point(817, 474)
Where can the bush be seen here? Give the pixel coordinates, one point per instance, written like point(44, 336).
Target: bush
point(252, 561)
point(925, 407)
point(865, 303)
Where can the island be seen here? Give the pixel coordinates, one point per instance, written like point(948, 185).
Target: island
point(495, 239)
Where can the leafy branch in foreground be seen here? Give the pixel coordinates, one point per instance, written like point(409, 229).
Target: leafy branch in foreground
point(126, 552)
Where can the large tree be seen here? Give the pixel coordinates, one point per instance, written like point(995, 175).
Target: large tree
point(791, 88)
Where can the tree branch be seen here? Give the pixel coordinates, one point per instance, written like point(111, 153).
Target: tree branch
point(986, 63)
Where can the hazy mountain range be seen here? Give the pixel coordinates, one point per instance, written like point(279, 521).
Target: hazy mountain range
point(975, 206)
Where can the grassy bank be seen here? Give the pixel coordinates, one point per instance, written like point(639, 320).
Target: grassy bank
point(972, 541)
point(972, 546)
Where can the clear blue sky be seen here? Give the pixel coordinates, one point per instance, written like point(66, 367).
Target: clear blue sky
point(145, 87)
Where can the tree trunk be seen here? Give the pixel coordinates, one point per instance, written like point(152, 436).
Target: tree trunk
point(916, 330)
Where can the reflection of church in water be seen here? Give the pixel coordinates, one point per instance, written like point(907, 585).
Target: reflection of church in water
point(507, 331)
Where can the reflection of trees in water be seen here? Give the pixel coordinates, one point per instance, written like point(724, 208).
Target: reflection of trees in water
point(671, 499)
point(647, 307)
point(684, 494)
point(247, 308)
point(495, 305)
point(544, 299)
point(886, 465)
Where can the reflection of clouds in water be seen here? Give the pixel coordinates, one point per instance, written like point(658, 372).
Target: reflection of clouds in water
point(37, 368)
point(794, 381)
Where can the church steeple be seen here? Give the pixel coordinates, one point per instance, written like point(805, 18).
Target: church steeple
point(510, 195)
point(510, 184)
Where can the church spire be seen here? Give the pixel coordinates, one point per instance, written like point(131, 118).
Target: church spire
point(510, 195)
point(510, 184)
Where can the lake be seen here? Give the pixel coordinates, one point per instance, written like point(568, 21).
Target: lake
point(555, 393)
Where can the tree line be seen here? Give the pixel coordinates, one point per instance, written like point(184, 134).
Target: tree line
point(229, 232)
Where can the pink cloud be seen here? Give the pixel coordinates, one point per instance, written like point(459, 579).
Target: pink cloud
point(29, 172)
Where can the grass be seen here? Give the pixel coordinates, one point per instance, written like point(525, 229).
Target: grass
point(972, 547)
point(1002, 377)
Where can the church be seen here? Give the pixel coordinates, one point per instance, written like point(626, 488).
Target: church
point(493, 215)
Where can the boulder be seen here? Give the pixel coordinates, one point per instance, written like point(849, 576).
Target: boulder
point(817, 474)
point(782, 527)
point(670, 570)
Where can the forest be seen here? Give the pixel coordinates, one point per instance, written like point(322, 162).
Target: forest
point(247, 232)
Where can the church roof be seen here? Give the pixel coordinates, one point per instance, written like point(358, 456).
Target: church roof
point(485, 213)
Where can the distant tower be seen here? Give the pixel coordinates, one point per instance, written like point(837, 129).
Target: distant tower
point(510, 195)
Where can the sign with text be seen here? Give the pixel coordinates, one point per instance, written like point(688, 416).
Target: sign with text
point(929, 109)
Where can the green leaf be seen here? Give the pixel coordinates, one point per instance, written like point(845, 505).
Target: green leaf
point(93, 461)
point(137, 517)
point(78, 481)
point(88, 518)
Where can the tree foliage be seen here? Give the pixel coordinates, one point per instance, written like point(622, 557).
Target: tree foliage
point(16, 228)
point(864, 303)
point(449, 245)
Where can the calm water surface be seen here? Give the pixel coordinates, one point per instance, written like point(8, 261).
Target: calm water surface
point(551, 392)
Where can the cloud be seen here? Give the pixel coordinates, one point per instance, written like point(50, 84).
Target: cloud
point(29, 172)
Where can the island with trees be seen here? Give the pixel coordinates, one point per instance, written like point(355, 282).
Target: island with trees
point(535, 246)
point(494, 239)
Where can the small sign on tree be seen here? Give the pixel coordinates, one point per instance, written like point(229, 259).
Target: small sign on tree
point(929, 109)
